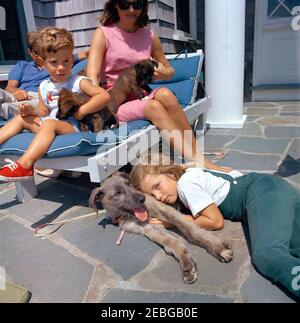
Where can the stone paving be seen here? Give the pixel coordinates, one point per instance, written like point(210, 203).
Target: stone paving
point(82, 263)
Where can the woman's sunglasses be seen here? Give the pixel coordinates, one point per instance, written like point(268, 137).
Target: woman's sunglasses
point(125, 5)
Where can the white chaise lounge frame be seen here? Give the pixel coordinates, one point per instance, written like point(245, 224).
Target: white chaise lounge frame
point(93, 165)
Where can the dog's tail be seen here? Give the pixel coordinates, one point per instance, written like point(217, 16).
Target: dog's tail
point(95, 197)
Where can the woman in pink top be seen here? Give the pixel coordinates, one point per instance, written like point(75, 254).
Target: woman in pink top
point(124, 40)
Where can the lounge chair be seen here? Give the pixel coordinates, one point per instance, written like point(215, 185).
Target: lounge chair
point(90, 152)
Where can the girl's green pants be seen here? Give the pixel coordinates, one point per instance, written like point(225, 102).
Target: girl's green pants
point(271, 208)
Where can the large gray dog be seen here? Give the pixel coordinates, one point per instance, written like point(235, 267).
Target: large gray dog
point(132, 209)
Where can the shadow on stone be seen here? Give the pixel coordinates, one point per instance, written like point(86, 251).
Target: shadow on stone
point(290, 166)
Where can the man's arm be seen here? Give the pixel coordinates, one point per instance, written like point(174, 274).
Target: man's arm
point(19, 94)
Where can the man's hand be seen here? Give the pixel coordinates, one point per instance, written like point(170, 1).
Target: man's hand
point(25, 109)
point(21, 95)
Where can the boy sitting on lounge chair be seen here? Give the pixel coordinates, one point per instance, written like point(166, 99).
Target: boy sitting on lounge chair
point(56, 52)
point(25, 78)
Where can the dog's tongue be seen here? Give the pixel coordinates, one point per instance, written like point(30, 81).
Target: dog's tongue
point(141, 215)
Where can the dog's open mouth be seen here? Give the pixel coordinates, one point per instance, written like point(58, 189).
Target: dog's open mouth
point(141, 214)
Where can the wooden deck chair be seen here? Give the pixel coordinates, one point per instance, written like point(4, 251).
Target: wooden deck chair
point(91, 153)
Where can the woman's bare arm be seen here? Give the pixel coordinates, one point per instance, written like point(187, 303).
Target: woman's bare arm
point(96, 54)
point(164, 71)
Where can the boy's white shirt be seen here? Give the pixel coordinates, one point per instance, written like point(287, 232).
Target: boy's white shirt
point(198, 189)
point(50, 92)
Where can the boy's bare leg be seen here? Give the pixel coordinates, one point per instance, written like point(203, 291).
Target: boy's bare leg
point(43, 139)
point(17, 125)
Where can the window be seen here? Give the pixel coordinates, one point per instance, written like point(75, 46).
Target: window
point(281, 8)
point(185, 20)
point(13, 45)
point(183, 15)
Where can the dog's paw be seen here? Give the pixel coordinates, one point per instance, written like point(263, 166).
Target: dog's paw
point(223, 252)
point(226, 253)
point(189, 270)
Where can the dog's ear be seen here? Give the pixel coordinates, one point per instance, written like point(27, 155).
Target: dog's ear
point(65, 94)
point(123, 175)
point(139, 73)
point(96, 195)
point(66, 99)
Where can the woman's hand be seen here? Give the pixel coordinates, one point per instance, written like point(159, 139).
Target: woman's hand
point(161, 72)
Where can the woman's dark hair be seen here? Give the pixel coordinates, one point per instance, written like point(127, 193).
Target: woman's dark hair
point(110, 14)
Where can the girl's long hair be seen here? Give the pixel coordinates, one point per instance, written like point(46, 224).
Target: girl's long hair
point(155, 164)
point(110, 14)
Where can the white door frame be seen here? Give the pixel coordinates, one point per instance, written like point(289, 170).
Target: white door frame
point(28, 11)
point(262, 22)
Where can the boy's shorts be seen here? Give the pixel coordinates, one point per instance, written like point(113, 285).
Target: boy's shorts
point(71, 120)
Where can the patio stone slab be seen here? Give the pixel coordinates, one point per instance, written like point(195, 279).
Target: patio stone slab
point(260, 105)
point(290, 107)
point(282, 132)
point(128, 296)
point(242, 161)
point(260, 145)
point(260, 290)
point(48, 271)
point(6, 186)
point(134, 254)
point(290, 114)
point(52, 201)
point(294, 150)
point(279, 120)
point(164, 273)
point(8, 199)
point(252, 118)
point(216, 132)
point(252, 129)
point(217, 142)
point(262, 111)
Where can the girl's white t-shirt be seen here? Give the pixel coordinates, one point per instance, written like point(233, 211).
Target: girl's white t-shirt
point(198, 189)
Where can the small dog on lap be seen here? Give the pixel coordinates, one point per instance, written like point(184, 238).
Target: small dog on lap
point(133, 79)
point(69, 102)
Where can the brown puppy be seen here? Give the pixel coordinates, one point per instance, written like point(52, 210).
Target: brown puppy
point(68, 104)
point(132, 210)
point(134, 79)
